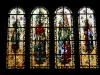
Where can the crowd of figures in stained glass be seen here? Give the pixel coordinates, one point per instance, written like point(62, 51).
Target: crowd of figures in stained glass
point(87, 39)
point(39, 36)
point(64, 38)
point(16, 39)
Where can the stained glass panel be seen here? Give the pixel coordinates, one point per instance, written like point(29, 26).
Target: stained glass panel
point(64, 38)
point(39, 36)
point(16, 39)
point(87, 39)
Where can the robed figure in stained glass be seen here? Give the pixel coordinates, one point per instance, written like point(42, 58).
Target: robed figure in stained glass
point(16, 39)
point(64, 41)
point(88, 37)
point(39, 38)
point(40, 43)
point(15, 36)
point(64, 46)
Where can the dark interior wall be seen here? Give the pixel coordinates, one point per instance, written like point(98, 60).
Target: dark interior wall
point(51, 6)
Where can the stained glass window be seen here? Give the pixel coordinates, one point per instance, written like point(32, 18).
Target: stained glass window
point(15, 58)
point(87, 38)
point(39, 38)
point(64, 38)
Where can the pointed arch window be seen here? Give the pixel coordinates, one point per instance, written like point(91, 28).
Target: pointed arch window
point(15, 58)
point(64, 38)
point(39, 38)
point(87, 38)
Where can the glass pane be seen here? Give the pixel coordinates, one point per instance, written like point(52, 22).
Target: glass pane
point(89, 10)
point(16, 10)
point(88, 60)
point(63, 10)
point(63, 34)
point(93, 61)
point(39, 36)
point(63, 21)
point(10, 61)
point(20, 61)
point(84, 61)
point(64, 39)
point(11, 20)
point(87, 39)
point(16, 40)
point(36, 19)
point(13, 11)
point(20, 11)
point(67, 10)
point(88, 47)
point(65, 62)
point(59, 10)
point(39, 10)
point(82, 10)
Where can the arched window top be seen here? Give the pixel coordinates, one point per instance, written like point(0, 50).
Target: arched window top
point(63, 10)
point(63, 17)
point(16, 10)
point(85, 10)
point(86, 13)
point(40, 10)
